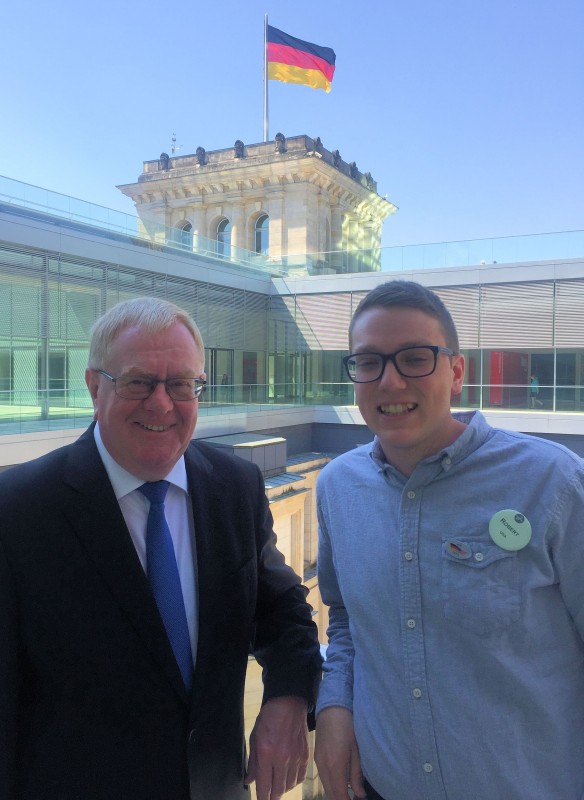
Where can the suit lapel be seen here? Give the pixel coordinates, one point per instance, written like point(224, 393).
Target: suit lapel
point(207, 489)
point(97, 520)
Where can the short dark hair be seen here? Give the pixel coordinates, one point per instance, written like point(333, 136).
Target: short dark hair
point(408, 294)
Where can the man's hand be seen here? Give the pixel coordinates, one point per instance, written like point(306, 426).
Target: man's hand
point(337, 755)
point(278, 747)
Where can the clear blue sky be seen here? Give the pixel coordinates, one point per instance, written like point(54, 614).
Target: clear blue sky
point(468, 113)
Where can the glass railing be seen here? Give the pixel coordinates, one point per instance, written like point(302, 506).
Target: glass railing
point(27, 411)
point(278, 394)
point(24, 195)
point(31, 410)
point(335, 262)
point(17, 194)
point(518, 397)
point(485, 252)
point(472, 252)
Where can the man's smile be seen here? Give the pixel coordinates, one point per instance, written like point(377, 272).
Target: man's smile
point(156, 428)
point(397, 409)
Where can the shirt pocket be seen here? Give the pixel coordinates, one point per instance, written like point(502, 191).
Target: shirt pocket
point(480, 585)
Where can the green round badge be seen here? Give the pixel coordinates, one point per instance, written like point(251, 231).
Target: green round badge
point(510, 529)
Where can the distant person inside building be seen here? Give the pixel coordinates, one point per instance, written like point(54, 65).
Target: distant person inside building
point(534, 391)
point(451, 555)
point(138, 570)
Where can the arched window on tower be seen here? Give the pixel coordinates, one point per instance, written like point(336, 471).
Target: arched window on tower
point(224, 238)
point(186, 236)
point(262, 235)
point(181, 236)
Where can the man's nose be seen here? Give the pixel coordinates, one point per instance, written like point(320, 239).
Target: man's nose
point(391, 377)
point(159, 398)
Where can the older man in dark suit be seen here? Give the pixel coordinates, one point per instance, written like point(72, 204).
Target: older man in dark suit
point(137, 571)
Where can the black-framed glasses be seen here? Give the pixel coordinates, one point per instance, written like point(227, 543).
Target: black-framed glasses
point(410, 362)
point(139, 387)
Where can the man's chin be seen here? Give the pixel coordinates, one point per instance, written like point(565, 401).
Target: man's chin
point(149, 465)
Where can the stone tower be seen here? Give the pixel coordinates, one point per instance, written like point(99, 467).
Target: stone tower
point(290, 201)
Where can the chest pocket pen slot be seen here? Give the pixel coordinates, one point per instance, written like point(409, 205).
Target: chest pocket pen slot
point(480, 585)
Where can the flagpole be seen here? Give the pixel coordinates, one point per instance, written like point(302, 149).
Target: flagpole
point(265, 77)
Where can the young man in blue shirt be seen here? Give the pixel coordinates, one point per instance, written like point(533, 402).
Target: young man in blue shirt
point(451, 558)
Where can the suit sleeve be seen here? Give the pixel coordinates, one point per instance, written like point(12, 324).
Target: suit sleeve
point(9, 680)
point(285, 637)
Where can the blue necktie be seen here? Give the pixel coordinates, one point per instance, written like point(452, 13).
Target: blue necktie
point(164, 578)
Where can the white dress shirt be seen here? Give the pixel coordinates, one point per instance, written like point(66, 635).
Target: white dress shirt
point(179, 515)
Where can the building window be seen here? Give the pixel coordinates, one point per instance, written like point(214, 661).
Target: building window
point(224, 238)
point(181, 236)
point(186, 235)
point(262, 235)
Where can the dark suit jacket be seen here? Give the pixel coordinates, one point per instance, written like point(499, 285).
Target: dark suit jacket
point(92, 706)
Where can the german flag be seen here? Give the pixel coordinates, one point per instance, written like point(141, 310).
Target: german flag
point(292, 60)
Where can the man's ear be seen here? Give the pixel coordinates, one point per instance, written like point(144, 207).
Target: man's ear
point(92, 382)
point(457, 373)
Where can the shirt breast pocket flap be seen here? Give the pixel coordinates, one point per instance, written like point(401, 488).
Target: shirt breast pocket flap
point(480, 585)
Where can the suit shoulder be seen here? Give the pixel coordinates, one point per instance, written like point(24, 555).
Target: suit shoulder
point(46, 467)
point(44, 476)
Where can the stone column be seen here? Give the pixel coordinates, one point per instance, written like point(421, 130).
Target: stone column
point(312, 221)
point(238, 237)
point(198, 215)
point(277, 245)
point(336, 228)
point(153, 218)
point(370, 245)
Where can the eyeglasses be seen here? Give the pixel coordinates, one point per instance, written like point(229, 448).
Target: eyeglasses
point(138, 387)
point(410, 362)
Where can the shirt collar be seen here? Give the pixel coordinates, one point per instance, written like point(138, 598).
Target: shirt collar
point(476, 431)
point(124, 482)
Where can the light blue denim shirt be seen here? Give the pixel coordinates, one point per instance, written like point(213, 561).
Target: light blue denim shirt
point(463, 663)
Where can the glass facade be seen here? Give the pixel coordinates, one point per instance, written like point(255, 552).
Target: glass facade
point(274, 348)
point(502, 378)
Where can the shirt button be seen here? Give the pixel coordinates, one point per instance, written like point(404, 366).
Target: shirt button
point(417, 693)
point(411, 623)
point(408, 556)
point(447, 460)
point(411, 495)
point(428, 767)
point(479, 556)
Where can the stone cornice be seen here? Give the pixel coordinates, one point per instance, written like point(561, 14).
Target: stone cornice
point(343, 192)
point(219, 173)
